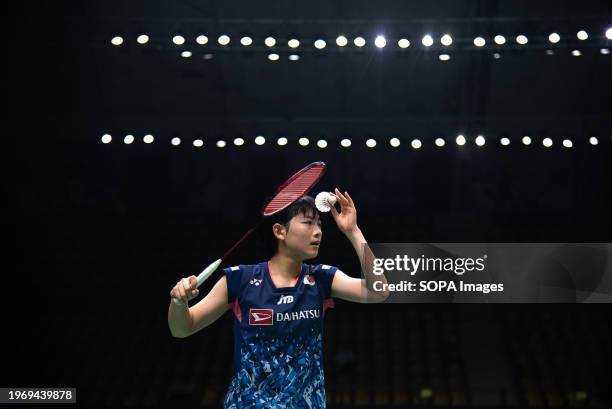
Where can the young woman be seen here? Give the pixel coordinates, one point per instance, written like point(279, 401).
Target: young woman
point(278, 309)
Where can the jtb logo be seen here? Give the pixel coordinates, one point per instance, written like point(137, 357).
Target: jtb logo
point(260, 317)
point(285, 299)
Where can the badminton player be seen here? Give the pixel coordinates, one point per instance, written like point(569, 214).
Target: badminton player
point(278, 308)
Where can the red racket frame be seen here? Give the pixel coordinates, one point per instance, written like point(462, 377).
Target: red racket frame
point(304, 189)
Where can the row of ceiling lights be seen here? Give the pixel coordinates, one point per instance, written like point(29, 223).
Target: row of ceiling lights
point(460, 140)
point(380, 41)
point(441, 56)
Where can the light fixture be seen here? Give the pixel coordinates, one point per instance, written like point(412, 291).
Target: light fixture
point(427, 40)
point(260, 140)
point(223, 39)
point(403, 43)
point(446, 40)
point(500, 39)
point(359, 41)
point(554, 38)
point(380, 41)
point(320, 44)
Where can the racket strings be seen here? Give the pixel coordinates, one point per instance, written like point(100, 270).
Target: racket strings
point(296, 187)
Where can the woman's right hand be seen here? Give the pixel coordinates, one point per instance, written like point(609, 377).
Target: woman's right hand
point(185, 290)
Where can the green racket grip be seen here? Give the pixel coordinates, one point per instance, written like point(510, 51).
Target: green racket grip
point(207, 272)
point(203, 276)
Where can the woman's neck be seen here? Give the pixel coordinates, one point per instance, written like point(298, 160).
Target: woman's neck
point(285, 266)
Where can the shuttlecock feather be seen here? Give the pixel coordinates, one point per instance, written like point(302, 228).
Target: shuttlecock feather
point(324, 201)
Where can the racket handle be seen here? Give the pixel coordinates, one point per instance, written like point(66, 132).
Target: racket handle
point(203, 276)
point(207, 272)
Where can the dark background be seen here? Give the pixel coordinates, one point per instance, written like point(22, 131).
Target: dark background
point(103, 232)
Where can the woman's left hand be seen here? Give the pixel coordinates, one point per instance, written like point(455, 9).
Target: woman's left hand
point(346, 219)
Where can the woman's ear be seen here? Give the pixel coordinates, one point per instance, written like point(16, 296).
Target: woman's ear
point(279, 231)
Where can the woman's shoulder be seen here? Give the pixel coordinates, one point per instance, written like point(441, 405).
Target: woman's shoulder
point(241, 275)
point(319, 268)
point(246, 266)
point(246, 269)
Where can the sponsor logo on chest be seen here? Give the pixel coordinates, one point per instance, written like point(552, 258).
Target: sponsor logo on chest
point(297, 315)
point(267, 316)
point(261, 316)
point(285, 299)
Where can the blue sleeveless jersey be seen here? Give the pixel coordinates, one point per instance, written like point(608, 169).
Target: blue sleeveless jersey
point(278, 337)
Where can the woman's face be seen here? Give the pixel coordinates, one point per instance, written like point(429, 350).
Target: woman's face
point(303, 236)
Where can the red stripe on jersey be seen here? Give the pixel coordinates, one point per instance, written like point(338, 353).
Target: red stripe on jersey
point(328, 303)
point(236, 309)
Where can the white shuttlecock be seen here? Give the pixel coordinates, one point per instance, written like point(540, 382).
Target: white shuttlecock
point(324, 201)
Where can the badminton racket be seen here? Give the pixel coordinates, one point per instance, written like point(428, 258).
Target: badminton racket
point(291, 190)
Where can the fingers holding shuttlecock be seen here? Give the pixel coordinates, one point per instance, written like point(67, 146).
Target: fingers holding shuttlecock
point(324, 201)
